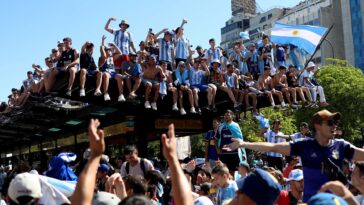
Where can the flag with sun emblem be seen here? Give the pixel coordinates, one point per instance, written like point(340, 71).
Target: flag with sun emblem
point(303, 36)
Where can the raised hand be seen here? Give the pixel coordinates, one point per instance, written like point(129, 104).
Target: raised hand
point(234, 145)
point(112, 19)
point(96, 138)
point(169, 144)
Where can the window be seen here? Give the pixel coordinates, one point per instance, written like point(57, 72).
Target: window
point(270, 16)
point(262, 19)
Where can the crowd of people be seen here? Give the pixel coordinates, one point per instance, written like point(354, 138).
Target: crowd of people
point(310, 166)
point(166, 63)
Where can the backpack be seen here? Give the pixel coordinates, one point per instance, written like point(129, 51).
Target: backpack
point(142, 166)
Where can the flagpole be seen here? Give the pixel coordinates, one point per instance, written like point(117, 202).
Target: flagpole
point(319, 45)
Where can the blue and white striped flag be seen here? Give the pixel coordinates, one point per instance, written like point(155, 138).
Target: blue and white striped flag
point(244, 35)
point(302, 36)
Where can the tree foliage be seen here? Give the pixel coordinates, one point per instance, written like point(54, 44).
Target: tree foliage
point(344, 90)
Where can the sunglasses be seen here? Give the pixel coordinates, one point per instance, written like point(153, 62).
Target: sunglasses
point(332, 122)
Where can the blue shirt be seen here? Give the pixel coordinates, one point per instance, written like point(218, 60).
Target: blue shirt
point(133, 70)
point(210, 138)
point(281, 53)
point(165, 50)
point(196, 76)
point(182, 47)
point(270, 135)
point(122, 40)
point(226, 193)
point(213, 54)
point(313, 155)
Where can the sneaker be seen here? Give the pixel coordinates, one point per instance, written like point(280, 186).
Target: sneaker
point(107, 97)
point(324, 104)
point(147, 105)
point(209, 107)
point(82, 93)
point(294, 106)
point(174, 107)
point(183, 112)
point(154, 106)
point(236, 105)
point(121, 98)
point(198, 110)
point(249, 107)
point(69, 93)
point(192, 110)
point(132, 95)
point(283, 104)
point(97, 92)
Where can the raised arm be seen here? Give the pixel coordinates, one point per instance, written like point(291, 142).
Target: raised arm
point(83, 48)
point(179, 34)
point(181, 189)
point(108, 24)
point(159, 33)
point(358, 154)
point(283, 147)
point(86, 181)
point(38, 68)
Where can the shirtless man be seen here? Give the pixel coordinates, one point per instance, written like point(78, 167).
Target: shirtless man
point(266, 86)
point(280, 84)
point(152, 73)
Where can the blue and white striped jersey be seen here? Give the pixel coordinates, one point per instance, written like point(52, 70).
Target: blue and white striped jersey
point(270, 135)
point(196, 76)
point(165, 50)
point(211, 55)
point(182, 45)
point(122, 40)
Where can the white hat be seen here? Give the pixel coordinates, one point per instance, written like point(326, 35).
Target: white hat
point(24, 184)
point(105, 198)
point(310, 64)
point(295, 175)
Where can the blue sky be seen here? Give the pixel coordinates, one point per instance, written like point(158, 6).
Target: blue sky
point(30, 29)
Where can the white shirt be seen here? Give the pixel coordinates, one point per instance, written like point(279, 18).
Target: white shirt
point(136, 170)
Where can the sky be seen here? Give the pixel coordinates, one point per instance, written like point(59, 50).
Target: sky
point(30, 29)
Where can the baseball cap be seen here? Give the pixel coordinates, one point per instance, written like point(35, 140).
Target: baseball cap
point(295, 175)
point(311, 64)
point(105, 198)
point(103, 168)
point(323, 115)
point(261, 187)
point(304, 124)
point(326, 199)
point(24, 184)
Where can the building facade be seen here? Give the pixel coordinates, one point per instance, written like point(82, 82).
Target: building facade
point(357, 23)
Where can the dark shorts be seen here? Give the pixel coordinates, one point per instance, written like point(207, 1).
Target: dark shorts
point(92, 72)
point(231, 160)
point(200, 87)
point(279, 88)
point(153, 82)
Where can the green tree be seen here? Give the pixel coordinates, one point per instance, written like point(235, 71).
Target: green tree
point(344, 89)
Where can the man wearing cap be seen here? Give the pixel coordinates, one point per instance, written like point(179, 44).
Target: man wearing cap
point(25, 189)
point(316, 153)
point(259, 187)
point(131, 70)
point(123, 38)
point(27, 83)
point(294, 195)
point(307, 80)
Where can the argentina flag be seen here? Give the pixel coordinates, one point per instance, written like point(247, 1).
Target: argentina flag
point(244, 35)
point(302, 36)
